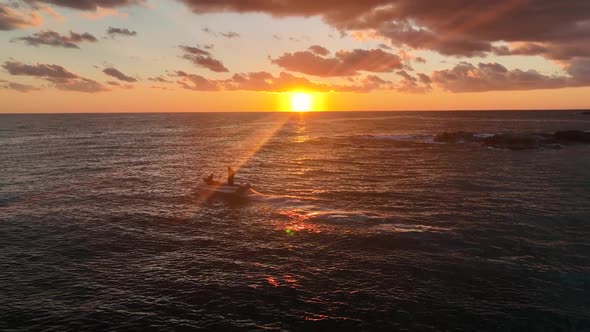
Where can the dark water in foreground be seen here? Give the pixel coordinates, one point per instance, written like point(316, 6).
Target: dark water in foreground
point(360, 221)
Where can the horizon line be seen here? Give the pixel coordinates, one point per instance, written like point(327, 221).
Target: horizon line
point(351, 111)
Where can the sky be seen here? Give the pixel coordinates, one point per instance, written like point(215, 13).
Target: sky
point(235, 55)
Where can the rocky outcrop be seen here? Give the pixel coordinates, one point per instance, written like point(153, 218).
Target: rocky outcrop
point(517, 141)
point(513, 141)
point(574, 136)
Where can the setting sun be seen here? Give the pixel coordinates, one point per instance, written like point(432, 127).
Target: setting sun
point(301, 102)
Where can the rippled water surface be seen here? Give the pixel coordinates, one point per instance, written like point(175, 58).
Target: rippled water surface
point(357, 221)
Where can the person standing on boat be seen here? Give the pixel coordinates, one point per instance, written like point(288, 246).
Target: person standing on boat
point(230, 176)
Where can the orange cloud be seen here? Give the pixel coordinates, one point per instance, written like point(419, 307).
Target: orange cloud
point(344, 63)
point(12, 18)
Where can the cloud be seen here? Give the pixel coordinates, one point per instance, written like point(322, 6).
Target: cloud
point(230, 35)
point(52, 38)
point(159, 79)
point(257, 81)
point(344, 63)
point(60, 77)
point(319, 50)
point(81, 85)
point(284, 82)
point(202, 58)
point(118, 75)
point(39, 70)
point(579, 69)
point(466, 77)
point(563, 50)
point(263, 81)
point(112, 32)
point(194, 50)
point(196, 82)
point(123, 86)
point(14, 18)
point(459, 28)
point(24, 88)
point(419, 59)
point(90, 5)
point(411, 84)
point(101, 12)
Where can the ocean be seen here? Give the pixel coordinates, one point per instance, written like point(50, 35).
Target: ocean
point(363, 221)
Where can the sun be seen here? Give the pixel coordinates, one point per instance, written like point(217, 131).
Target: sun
point(301, 102)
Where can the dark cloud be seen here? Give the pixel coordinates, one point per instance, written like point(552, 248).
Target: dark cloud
point(60, 77)
point(385, 46)
point(81, 85)
point(52, 38)
point(579, 69)
point(24, 88)
point(112, 32)
point(557, 30)
point(424, 78)
point(196, 82)
point(466, 77)
point(90, 4)
point(319, 50)
point(202, 58)
point(564, 50)
point(460, 27)
point(411, 84)
point(15, 18)
point(159, 87)
point(159, 79)
point(118, 75)
point(230, 35)
point(419, 59)
point(194, 50)
point(344, 63)
point(117, 84)
point(54, 72)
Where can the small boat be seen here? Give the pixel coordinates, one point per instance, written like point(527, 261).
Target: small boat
point(218, 188)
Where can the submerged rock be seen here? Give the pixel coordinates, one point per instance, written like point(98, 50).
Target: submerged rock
point(576, 136)
point(517, 141)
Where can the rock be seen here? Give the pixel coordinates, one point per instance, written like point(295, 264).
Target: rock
point(575, 136)
point(516, 141)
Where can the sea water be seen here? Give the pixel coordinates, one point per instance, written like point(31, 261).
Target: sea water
point(357, 221)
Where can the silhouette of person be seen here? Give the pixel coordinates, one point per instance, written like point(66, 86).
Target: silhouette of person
point(230, 176)
point(209, 179)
